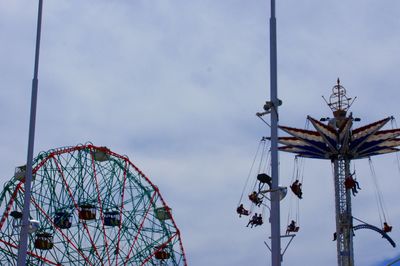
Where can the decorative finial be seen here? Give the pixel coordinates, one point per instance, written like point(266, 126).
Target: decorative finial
point(338, 99)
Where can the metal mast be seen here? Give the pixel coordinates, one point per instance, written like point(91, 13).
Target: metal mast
point(339, 105)
point(23, 241)
point(344, 224)
point(274, 103)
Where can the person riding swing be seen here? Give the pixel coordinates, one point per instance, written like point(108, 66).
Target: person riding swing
point(263, 178)
point(242, 211)
point(351, 183)
point(296, 188)
point(386, 228)
point(292, 227)
point(253, 220)
point(253, 197)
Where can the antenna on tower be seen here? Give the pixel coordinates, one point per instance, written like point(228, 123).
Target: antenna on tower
point(339, 102)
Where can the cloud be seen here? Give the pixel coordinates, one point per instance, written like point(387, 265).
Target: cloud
point(175, 85)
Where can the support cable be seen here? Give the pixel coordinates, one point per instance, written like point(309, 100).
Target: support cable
point(260, 165)
point(297, 174)
point(262, 119)
point(291, 194)
point(378, 193)
point(251, 171)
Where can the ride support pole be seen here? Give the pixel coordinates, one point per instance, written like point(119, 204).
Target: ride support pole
point(276, 257)
point(23, 240)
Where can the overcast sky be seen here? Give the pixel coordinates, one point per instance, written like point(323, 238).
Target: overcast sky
point(175, 85)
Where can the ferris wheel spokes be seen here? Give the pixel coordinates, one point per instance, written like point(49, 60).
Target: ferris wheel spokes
point(84, 201)
point(77, 208)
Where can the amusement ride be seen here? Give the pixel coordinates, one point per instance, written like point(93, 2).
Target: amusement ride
point(333, 139)
point(89, 206)
point(83, 205)
point(336, 140)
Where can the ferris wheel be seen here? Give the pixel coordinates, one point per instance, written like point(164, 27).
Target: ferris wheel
point(89, 206)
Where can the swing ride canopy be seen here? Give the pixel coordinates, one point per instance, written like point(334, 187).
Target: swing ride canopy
point(337, 141)
point(337, 138)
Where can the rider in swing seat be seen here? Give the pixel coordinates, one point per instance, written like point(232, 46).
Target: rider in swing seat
point(292, 227)
point(296, 188)
point(253, 220)
point(242, 211)
point(253, 197)
point(386, 228)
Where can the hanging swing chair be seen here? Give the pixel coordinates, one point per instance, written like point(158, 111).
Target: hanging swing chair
point(242, 211)
point(256, 189)
point(293, 219)
point(296, 188)
point(383, 216)
point(297, 178)
point(292, 228)
point(254, 195)
point(256, 220)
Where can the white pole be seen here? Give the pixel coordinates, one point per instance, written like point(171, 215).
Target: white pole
point(275, 200)
point(23, 240)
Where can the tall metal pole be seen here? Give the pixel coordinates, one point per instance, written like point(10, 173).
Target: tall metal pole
point(23, 240)
point(275, 199)
point(344, 224)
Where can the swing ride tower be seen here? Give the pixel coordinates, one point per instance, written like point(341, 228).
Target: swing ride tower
point(337, 141)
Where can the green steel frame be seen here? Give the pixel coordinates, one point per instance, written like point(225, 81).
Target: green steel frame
point(64, 180)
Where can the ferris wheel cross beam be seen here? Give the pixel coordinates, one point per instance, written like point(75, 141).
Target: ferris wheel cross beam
point(76, 207)
point(122, 206)
point(61, 232)
point(100, 207)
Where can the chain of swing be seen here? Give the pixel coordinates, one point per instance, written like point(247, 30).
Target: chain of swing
point(297, 181)
point(293, 218)
point(255, 196)
point(257, 188)
point(382, 210)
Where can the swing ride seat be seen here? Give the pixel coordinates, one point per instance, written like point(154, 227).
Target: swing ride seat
point(296, 190)
point(293, 230)
point(387, 229)
point(255, 199)
point(264, 178)
point(376, 229)
point(349, 183)
point(242, 211)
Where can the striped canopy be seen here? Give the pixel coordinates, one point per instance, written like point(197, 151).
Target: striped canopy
point(329, 142)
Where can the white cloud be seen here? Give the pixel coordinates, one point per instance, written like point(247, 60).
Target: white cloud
point(175, 86)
